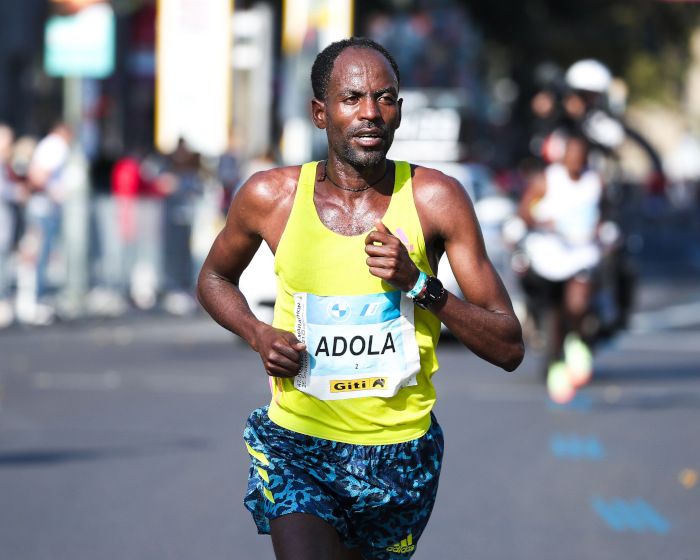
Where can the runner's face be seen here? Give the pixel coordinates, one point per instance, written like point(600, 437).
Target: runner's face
point(575, 156)
point(363, 108)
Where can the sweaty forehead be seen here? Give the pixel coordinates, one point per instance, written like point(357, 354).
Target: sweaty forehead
point(357, 65)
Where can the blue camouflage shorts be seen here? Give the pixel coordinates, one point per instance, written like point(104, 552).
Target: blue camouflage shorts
point(378, 497)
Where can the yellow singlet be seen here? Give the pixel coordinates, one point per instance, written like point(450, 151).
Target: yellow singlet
point(363, 337)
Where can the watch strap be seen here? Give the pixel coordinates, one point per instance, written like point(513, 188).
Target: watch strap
point(420, 286)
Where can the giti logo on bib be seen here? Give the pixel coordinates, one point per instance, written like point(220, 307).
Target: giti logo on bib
point(358, 384)
point(357, 346)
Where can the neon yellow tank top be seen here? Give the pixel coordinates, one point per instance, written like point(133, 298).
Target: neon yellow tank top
point(352, 320)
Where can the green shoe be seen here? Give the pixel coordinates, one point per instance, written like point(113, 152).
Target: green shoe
point(579, 360)
point(559, 386)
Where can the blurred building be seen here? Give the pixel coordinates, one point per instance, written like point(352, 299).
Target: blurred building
point(272, 44)
point(477, 60)
point(23, 90)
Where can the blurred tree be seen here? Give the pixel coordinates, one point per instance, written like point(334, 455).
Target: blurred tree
point(645, 41)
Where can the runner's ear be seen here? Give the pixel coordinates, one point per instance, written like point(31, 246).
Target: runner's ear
point(318, 113)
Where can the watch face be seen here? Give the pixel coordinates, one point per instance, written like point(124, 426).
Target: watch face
point(434, 290)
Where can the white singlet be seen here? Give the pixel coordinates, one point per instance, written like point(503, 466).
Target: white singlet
point(574, 209)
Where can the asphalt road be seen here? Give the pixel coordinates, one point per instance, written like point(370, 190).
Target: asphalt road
point(121, 440)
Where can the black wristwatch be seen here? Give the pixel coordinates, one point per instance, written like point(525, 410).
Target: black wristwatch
point(432, 293)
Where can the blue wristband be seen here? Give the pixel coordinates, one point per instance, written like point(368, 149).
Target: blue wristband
point(420, 284)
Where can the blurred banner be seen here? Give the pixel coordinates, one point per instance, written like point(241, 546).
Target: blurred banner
point(308, 27)
point(193, 74)
point(81, 44)
point(253, 68)
point(329, 20)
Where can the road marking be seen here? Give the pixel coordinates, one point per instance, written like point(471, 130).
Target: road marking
point(575, 447)
point(637, 516)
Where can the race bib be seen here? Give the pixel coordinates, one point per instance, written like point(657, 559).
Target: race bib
point(356, 346)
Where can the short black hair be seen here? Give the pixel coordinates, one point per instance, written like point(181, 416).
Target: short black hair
point(577, 135)
point(323, 65)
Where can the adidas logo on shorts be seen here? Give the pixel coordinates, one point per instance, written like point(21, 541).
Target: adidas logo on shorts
point(406, 545)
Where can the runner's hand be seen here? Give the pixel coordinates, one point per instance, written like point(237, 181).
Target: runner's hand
point(389, 259)
point(280, 352)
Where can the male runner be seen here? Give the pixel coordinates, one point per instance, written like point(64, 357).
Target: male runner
point(562, 208)
point(346, 457)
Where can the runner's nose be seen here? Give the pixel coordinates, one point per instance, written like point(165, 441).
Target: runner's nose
point(369, 110)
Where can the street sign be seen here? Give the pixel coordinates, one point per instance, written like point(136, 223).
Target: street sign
point(81, 45)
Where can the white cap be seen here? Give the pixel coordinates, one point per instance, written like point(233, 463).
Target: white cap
point(589, 75)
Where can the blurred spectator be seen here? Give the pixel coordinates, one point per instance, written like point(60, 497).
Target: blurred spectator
point(117, 225)
point(183, 183)
point(7, 223)
point(43, 210)
point(683, 168)
point(580, 100)
point(125, 186)
point(146, 278)
point(228, 170)
point(22, 154)
point(576, 101)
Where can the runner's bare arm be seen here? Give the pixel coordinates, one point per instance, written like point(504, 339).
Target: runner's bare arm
point(255, 215)
point(485, 323)
point(534, 192)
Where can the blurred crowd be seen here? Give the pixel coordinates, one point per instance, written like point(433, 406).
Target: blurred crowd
point(435, 44)
point(143, 234)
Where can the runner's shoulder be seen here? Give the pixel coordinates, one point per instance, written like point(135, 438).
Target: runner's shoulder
point(266, 191)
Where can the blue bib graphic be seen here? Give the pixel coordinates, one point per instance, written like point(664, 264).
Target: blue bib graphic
point(357, 346)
